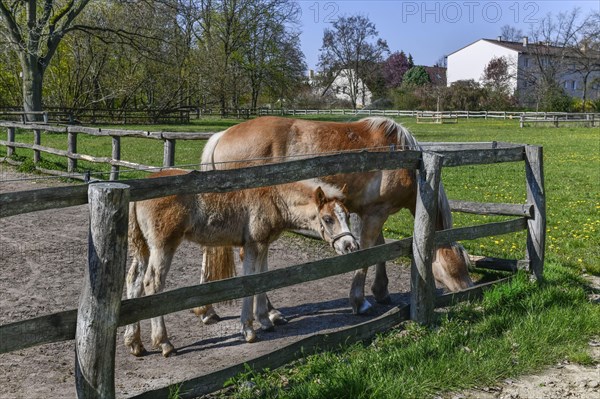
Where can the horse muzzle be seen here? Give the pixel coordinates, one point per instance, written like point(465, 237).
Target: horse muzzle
point(349, 245)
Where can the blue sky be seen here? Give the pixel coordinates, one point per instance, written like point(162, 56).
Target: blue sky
point(429, 29)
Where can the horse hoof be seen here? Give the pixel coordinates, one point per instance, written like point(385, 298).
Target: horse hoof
point(212, 319)
point(365, 308)
point(137, 350)
point(387, 300)
point(249, 336)
point(277, 318)
point(270, 328)
point(167, 349)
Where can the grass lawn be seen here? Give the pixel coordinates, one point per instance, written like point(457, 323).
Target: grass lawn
point(517, 328)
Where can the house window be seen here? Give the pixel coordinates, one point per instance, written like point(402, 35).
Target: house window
point(526, 62)
point(574, 84)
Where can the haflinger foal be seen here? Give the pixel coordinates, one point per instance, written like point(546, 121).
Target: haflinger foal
point(250, 219)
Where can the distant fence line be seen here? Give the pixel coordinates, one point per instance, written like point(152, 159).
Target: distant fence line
point(186, 114)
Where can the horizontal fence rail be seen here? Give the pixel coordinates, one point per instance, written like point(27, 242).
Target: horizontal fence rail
point(14, 203)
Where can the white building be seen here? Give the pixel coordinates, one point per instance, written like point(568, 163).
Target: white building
point(523, 59)
point(343, 87)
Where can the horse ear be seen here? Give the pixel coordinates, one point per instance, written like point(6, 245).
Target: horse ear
point(319, 197)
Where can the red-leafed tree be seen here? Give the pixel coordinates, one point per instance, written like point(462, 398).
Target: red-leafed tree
point(395, 67)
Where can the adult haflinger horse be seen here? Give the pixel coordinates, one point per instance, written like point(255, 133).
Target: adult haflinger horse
point(251, 218)
point(372, 196)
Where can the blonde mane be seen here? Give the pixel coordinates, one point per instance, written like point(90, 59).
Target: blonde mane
point(330, 191)
point(406, 141)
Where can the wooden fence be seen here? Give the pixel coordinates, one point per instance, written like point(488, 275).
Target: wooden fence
point(72, 132)
point(95, 115)
point(186, 114)
point(99, 316)
point(558, 118)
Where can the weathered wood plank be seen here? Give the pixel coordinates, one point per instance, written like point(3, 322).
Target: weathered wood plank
point(33, 126)
point(37, 141)
point(92, 131)
point(204, 384)
point(472, 293)
point(507, 265)
point(422, 284)
point(18, 202)
point(482, 157)
point(116, 156)
point(100, 300)
point(536, 226)
point(443, 146)
point(10, 149)
point(133, 310)
point(187, 136)
point(213, 181)
point(489, 208)
point(37, 331)
point(169, 153)
point(484, 230)
point(71, 149)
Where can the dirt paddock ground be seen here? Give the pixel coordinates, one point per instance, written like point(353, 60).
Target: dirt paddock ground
point(43, 255)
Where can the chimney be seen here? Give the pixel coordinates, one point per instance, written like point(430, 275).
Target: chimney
point(499, 38)
point(525, 41)
point(311, 73)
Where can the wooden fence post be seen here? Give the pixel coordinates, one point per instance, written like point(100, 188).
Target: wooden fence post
point(37, 140)
point(72, 149)
point(116, 155)
point(100, 300)
point(422, 285)
point(169, 152)
point(536, 226)
point(10, 150)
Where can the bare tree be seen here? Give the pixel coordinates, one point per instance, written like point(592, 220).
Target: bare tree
point(511, 33)
point(353, 45)
point(555, 41)
point(585, 57)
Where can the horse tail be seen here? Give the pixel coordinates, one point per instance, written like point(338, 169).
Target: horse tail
point(207, 161)
point(137, 241)
point(217, 262)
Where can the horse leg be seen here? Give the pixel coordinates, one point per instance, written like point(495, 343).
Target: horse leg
point(275, 315)
point(261, 309)
point(247, 316)
point(154, 282)
point(135, 289)
point(379, 288)
point(370, 230)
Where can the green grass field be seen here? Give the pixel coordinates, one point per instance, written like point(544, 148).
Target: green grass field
point(519, 327)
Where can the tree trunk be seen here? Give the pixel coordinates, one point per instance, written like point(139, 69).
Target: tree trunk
point(33, 76)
